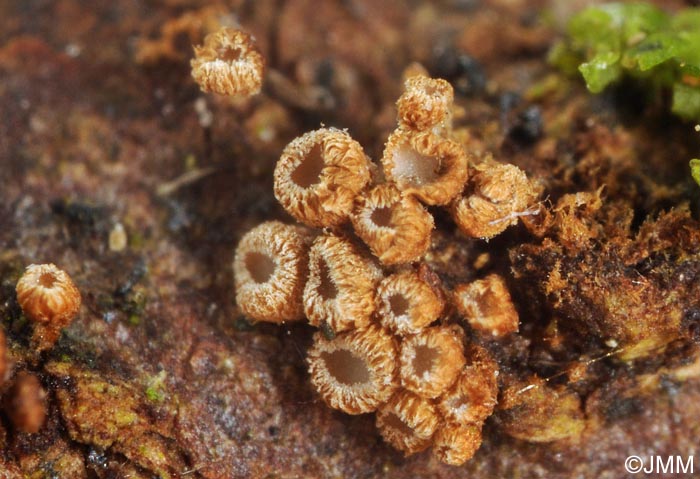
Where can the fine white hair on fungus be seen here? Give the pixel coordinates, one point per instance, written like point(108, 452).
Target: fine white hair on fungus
point(406, 304)
point(355, 371)
point(318, 176)
point(425, 103)
point(229, 63)
point(395, 226)
point(431, 360)
point(340, 290)
point(423, 164)
point(270, 267)
point(408, 422)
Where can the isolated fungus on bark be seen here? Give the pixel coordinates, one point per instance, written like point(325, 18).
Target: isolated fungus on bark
point(228, 63)
point(408, 422)
point(473, 396)
point(396, 227)
point(431, 360)
point(49, 299)
point(354, 372)
point(425, 103)
point(456, 443)
point(497, 195)
point(487, 306)
point(406, 304)
point(318, 176)
point(270, 268)
point(340, 290)
point(25, 403)
point(423, 164)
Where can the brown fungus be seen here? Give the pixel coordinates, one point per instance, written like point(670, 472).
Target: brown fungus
point(25, 403)
point(431, 360)
point(473, 396)
point(270, 268)
point(428, 166)
point(407, 422)
point(228, 63)
point(425, 103)
point(318, 176)
point(396, 227)
point(355, 371)
point(487, 306)
point(499, 194)
point(341, 287)
point(49, 299)
point(407, 304)
point(456, 443)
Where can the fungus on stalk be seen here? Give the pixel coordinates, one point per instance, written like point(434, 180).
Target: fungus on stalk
point(407, 422)
point(270, 268)
point(355, 371)
point(431, 360)
point(423, 164)
point(425, 103)
point(406, 304)
point(228, 63)
point(340, 290)
point(456, 443)
point(396, 227)
point(49, 299)
point(318, 176)
point(487, 306)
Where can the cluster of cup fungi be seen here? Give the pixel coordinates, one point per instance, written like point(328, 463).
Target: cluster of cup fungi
point(353, 265)
point(50, 301)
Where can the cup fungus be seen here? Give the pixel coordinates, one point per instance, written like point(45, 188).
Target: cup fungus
point(456, 443)
point(228, 63)
point(270, 268)
point(49, 299)
point(406, 304)
point(25, 403)
point(500, 194)
point(355, 371)
point(425, 103)
point(487, 306)
point(319, 175)
point(396, 227)
point(473, 396)
point(407, 422)
point(431, 360)
point(341, 287)
point(423, 164)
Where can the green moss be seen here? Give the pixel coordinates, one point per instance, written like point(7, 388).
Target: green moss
point(608, 42)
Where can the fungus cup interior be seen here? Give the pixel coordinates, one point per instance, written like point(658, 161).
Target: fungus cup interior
point(229, 54)
point(326, 287)
point(381, 216)
point(308, 173)
point(399, 304)
point(346, 368)
point(260, 266)
point(47, 280)
point(393, 421)
point(424, 360)
point(414, 168)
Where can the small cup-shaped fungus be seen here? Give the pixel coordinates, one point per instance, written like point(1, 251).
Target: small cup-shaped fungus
point(340, 290)
point(269, 268)
point(318, 176)
point(499, 195)
point(425, 103)
point(49, 299)
point(396, 227)
point(456, 443)
point(472, 397)
point(354, 372)
point(407, 422)
point(431, 361)
point(428, 166)
point(25, 403)
point(487, 306)
point(228, 63)
point(406, 304)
